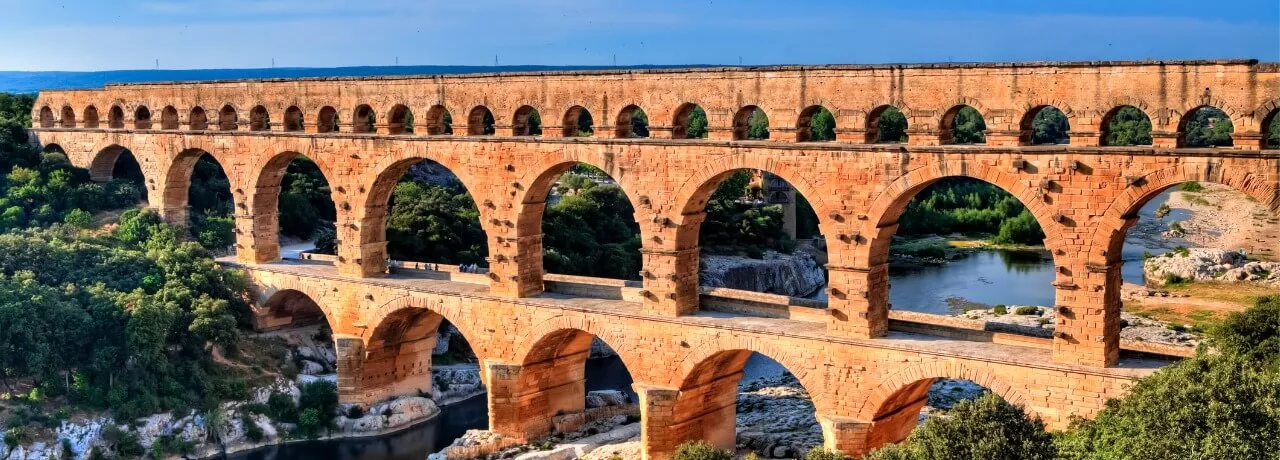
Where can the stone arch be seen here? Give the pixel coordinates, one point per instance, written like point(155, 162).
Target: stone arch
point(449, 310)
point(198, 120)
point(68, 118)
point(893, 405)
point(946, 123)
point(142, 117)
point(1186, 116)
point(538, 185)
point(169, 118)
point(327, 120)
point(1026, 127)
point(400, 120)
point(480, 121)
point(691, 198)
point(265, 201)
point(742, 122)
point(571, 121)
point(439, 121)
point(293, 119)
point(522, 122)
point(46, 117)
point(398, 349)
point(90, 117)
point(1270, 112)
point(363, 120)
point(177, 182)
point(228, 120)
point(115, 117)
point(680, 120)
point(804, 122)
point(1104, 123)
point(287, 307)
point(103, 163)
point(624, 125)
point(873, 121)
point(259, 119)
point(1237, 116)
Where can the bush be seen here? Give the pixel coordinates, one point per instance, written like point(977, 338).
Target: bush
point(1191, 187)
point(1026, 311)
point(280, 407)
point(252, 431)
point(984, 428)
point(1000, 310)
point(355, 412)
point(824, 454)
point(78, 218)
point(700, 450)
point(1253, 333)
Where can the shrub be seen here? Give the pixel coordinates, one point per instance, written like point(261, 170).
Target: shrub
point(1253, 333)
point(986, 428)
point(1026, 311)
point(700, 450)
point(1000, 310)
point(355, 412)
point(281, 407)
point(252, 431)
point(1191, 187)
point(78, 218)
point(824, 454)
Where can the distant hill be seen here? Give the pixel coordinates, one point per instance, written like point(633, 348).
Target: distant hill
point(30, 82)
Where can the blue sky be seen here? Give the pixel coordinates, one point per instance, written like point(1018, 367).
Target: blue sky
point(185, 34)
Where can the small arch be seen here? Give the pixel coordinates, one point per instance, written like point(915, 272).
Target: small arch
point(632, 123)
point(816, 124)
point(750, 123)
point(603, 242)
point(1044, 124)
point(400, 120)
point(91, 117)
point(293, 119)
point(327, 121)
point(259, 119)
point(1126, 125)
point(115, 118)
point(1205, 126)
point(363, 120)
point(197, 120)
point(439, 121)
point(68, 117)
point(480, 121)
point(578, 122)
point(1271, 130)
point(142, 117)
point(46, 117)
point(228, 120)
point(690, 122)
point(886, 125)
point(526, 122)
point(169, 118)
point(963, 124)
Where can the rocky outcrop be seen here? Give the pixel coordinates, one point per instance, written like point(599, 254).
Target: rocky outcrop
point(1040, 321)
point(1204, 264)
point(796, 275)
point(388, 415)
point(776, 418)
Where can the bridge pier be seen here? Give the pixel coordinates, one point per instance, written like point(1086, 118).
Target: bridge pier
point(657, 416)
point(845, 435)
point(859, 307)
point(524, 400)
point(670, 281)
point(350, 352)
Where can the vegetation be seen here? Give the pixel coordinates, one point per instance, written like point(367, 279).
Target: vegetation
point(985, 428)
point(591, 230)
point(437, 223)
point(971, 207)
point(700, 450)
point(1128, 126)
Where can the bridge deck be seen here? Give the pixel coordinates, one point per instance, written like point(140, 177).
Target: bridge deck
point(1131, 365)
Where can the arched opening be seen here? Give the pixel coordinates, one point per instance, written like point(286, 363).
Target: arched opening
point(425, 214)
point(632, 123)
point(587, 223)
point(732, 400)
point(901, 412)
point(578, 122)
point(291, 322)
point(963, 125)
point(288, 309)
point(1195, 251)
point(227, 119)
point(293, 119)
point(198, 180)
point(526, 122)
point(198, 120)
point(750, 123)
point(571, 382)
point(293, 187)
point(363, 120)
point(121, 175)
point(46, 117)
point(115, 119)
point(259, 119)
point(327, 121)
point(91, 117)
point(816, 124)
point(169, 118)
point(414, 351)
point(757, 223)
point(1271, 130)
point(886, 125)
point(480, 122)
point(400, 120)
point(1205, 126)
point(439, 121)
point(968, 248)
point(142, 118)
point(1126, 125)
point(1045, 124)
point(690, 122)
point(68, 117)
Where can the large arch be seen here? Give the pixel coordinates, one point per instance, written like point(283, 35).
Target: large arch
point(68, 118)
point(266, 189)
point(397, 359)
point(177, 184)
point(103, 164)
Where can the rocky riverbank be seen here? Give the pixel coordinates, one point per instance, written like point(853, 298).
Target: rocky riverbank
point(797, 275)
point(1029, 319)
point(1206, 264)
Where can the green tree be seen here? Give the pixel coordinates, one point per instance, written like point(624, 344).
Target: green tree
point(822, 126)
point(1128, 126)
point(892, 125)
point(697, 123)
point(984, 428)
point(1207, 127)
point(758, 125)
point(1050, 127)
point(968, 127)
point(1273, 131)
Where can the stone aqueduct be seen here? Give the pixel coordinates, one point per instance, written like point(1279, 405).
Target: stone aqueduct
point(867, 368)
